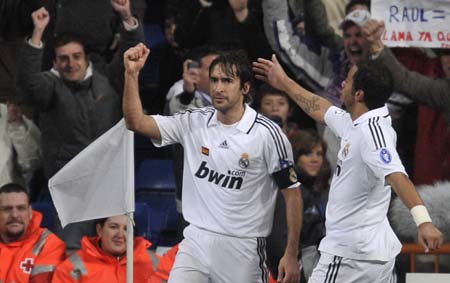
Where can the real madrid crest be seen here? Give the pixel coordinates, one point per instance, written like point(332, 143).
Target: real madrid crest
point(244, 162)
point(292, 175)
point(346, 150)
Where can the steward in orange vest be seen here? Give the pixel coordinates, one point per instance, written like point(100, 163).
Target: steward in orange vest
point(103, 258)
point(28, 253)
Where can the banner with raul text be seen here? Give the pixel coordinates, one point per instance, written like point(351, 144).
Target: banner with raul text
point(414, 23)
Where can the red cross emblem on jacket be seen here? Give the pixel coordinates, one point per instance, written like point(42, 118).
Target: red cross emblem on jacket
point(27, 265)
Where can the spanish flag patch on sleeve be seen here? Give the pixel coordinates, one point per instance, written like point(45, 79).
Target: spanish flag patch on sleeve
point(205, 150)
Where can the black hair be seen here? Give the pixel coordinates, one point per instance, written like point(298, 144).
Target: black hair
point(353, 3)
point(235, 63)
point(14, 188)
point(198, 53)
point(66, 38)
point(375, 79)
point(102, 221)
point(266, 89)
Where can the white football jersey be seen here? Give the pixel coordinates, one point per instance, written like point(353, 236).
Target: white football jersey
point(356, 218)
point(228, 187)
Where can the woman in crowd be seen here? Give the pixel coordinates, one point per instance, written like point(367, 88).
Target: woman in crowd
point(314, 173)
point(103, 258)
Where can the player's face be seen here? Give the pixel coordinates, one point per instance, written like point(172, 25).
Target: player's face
point(348, 95)
point(113, 235)
point(226, 91)
point(71, 62)
point(15, 216)
point(275, 105)
point(312, 161)
point(355, 45)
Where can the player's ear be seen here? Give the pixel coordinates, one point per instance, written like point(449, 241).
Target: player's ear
point(359, 95)
point(246, 88)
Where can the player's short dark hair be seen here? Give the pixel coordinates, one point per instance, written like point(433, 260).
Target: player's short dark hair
point(375, 79)
point(242, 68)
point(66, 38)
point(14, 188)
point(353, 3)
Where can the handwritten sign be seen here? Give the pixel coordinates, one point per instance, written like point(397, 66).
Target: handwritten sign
point(418, 23)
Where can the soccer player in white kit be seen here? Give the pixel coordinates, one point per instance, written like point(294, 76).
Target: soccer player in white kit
point(234, 161)
point(359, 245)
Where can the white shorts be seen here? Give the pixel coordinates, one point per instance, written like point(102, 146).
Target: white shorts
point(336, 269)
point(206, 257)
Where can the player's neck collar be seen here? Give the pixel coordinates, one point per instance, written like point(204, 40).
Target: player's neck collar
point(244, 125)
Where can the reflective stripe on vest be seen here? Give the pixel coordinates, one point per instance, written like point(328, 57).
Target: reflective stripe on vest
point(154, 258)
point(78, 267)
point(40, 244)
point(38, 269)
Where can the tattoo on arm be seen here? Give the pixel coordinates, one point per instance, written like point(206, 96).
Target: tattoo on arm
point(308, 104)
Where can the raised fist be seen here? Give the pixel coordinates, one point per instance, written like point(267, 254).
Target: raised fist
point(40, 18)
point(135, 57)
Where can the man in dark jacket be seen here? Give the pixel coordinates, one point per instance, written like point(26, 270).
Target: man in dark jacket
point(76, 100)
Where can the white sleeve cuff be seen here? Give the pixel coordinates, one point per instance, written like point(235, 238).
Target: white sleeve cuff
point(129, 27)
point(34, 45)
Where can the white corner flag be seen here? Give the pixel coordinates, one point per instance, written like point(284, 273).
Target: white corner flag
point(99, 181)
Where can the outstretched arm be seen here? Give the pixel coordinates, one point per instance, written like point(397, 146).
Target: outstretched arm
point(271, 72)
point(135, 119)
point(429, 236)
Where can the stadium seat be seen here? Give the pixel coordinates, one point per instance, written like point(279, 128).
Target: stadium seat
point(155, 175)
point(142, 220)
point(155, 186)
point(48, 212)
point(163, 214)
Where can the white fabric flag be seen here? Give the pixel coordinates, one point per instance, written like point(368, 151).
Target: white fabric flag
point(99, 181)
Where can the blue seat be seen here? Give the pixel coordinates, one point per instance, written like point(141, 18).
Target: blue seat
point(48, 214)
point(156, 175)
point(155, 186)
point(162, 211)
point(142, 219)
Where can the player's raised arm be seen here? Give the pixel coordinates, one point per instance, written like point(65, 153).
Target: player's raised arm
point(271, 72)
point(134, 60)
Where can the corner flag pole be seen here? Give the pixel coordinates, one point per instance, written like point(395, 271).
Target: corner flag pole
point(130, 242)
point(130, 214)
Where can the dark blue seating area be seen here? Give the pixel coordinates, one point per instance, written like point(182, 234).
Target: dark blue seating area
point(155, 186)
point(48, 214)
point(155, 175)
